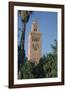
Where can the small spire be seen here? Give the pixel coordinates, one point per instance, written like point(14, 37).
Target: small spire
point(35, 25)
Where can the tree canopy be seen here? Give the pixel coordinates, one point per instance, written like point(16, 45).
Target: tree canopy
point(46, 68)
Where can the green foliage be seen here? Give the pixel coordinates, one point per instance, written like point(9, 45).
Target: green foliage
point(54, 47)
point(25, 15)
point(46, 68)
point(50, 66)
point(26, 70)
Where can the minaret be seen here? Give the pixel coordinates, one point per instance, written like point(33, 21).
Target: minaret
point(34, 44)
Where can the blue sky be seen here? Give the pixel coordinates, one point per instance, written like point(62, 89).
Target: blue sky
point(47, 26)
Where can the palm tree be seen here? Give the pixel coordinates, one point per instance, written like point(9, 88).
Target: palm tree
point(25, 18)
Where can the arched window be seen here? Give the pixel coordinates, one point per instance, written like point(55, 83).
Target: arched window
point(35, 29)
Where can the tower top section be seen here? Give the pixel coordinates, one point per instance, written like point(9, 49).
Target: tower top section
point(34, 27)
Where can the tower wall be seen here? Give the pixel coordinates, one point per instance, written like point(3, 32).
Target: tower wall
point(34, 45)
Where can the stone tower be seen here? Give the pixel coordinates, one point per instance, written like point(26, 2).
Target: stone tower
point(34, 44)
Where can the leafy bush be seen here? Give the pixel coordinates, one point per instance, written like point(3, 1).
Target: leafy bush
point(46, 68)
